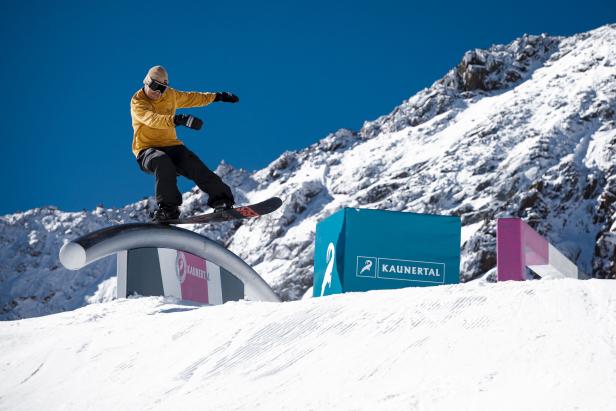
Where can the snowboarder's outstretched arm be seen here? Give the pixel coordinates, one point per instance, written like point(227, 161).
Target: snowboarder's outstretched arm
point(185, 99)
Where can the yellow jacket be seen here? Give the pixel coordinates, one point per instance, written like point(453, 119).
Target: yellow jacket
point(153, 119)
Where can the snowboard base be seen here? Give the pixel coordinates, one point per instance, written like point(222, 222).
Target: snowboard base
point(235, 213)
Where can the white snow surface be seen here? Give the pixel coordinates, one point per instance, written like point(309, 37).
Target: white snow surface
point(535, 345)
point(526, 129)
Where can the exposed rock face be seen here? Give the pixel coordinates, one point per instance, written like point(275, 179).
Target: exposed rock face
point(495, 69)
point(604, 263)
point(526, 129)
point(501, 66)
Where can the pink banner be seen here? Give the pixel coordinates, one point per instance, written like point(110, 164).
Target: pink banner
point(192, 273)
point(518, 246)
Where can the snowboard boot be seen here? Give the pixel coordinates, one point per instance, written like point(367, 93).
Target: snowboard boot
point(165, 213)
point(221, 205)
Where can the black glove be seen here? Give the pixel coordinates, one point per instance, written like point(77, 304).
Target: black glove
point(226, 97)
point(188, 121)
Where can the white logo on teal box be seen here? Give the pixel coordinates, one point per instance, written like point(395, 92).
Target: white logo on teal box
point(405, 270)
point(327, 279)
point(366, 266)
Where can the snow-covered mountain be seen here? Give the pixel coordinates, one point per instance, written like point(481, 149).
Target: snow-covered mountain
point(525, 129)
point(534, 345)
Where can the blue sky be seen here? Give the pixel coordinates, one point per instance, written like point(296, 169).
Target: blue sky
point(301, 70)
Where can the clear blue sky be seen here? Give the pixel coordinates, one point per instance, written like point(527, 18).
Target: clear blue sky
point(301, 69)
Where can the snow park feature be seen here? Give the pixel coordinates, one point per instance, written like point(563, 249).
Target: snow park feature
point(169, 261)
point(363, 249)
point(519, 249)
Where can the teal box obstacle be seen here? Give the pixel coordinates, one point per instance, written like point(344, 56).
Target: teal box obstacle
point(361, 250)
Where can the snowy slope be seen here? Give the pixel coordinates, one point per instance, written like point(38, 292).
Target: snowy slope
point(525, 129)
point(538, 345)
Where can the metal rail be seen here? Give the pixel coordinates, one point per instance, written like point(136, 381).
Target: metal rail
point(91, 247)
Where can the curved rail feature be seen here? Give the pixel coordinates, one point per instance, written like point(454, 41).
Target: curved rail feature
point(96, 245)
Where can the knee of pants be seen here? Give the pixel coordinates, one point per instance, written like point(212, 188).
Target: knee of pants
point(163, 166)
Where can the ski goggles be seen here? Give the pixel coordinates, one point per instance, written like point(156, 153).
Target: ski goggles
point(157, 86)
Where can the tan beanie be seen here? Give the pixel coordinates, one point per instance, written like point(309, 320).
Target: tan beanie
point(157, 73)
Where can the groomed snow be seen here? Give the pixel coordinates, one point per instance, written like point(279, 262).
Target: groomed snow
point(538, 345)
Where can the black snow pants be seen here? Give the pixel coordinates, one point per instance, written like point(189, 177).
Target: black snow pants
point(166, 163)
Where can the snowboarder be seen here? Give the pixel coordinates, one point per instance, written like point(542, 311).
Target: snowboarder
point(160, 152)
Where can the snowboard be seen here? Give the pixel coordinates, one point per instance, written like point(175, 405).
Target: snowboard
point(235, 213)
